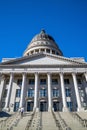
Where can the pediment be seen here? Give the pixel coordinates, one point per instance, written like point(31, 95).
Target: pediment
point(42, 59)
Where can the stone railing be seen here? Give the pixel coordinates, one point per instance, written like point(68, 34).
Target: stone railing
point(35, 121)
point(10, 122)
point(82, 121)
point(57, 121)
point(30, 121)
point(60, 122)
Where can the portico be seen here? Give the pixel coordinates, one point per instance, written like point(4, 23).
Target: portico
point(42, 91)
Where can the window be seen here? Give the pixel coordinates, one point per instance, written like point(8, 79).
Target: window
point(54, 81)
point(16, 106)
point(48, 50)
point(42, 50)
point(31, 81)
point(79, 81)
point(68, 92)
point(30, 93)
point(18, 92)
point(53, 52)
point(43, 92)
point(19, 82)
point(5, 93)
point(69, 105)
point(66, 81)
point(7, 81)
point(55, 93)
point(42, 81)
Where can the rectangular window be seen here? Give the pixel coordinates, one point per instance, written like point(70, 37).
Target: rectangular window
point(19, 82)
point(54, 81)
point(79, 81)
point(43, 92)
point(30, 93)
point(68, 92)
point(55, 93)
point(16, 106)
point(69, 105)
point(42, 81)
point(66, 81)
point(18, 92)
point(7, 81)
point(5, 93)
point(31, 82)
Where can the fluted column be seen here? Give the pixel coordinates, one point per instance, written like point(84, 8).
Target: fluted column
point(49, 92)
point(36, 92)
point(77, 92)
point(63, 92)
point(22, 99)
point(9, 92)
point(1, 90)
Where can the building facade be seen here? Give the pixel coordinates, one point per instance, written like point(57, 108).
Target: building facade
point(43, 79)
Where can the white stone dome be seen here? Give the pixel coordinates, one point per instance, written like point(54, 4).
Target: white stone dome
point(42, 42)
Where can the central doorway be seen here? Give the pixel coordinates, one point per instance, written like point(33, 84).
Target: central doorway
point(56, 105)
point(43, 106)
point(30, 105)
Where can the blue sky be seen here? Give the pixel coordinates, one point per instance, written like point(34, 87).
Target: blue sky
point(65, 20)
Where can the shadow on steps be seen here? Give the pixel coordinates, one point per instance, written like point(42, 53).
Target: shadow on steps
point(4, 114)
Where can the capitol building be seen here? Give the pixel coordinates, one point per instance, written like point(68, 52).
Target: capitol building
point(43, 79)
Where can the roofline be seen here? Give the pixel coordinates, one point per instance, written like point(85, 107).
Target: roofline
point(45, 54)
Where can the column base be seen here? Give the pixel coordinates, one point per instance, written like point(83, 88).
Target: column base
point(65, 109)
point(49, 109)
point(80, 109)
point(6, 109)
point(36, 109)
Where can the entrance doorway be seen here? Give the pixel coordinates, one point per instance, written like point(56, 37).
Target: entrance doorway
point(43, 106)
point(30, 106)
point(56, 106)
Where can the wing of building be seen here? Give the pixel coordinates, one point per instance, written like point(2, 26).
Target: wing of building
point(43, 79)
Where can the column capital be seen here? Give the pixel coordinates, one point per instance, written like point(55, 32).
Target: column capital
point(49, 73)
point(24, 73)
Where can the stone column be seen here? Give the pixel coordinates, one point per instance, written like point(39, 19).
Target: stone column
point(9, 92)
point(1, 90)
point(63, 93)
point(77, 92)
point(36, 92)
point(22, 98)
point(49, 92)
point(85, 74)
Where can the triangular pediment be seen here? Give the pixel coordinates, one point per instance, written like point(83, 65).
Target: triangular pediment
point(42, 59)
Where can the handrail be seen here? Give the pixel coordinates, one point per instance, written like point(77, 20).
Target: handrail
point(8, 120)
point(83, 122)
point(56, 121)
point(30, 121)
point(61, 122)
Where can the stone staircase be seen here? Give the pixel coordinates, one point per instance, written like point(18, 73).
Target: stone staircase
point(44, 121)
point(48, 122)
point(23, 122)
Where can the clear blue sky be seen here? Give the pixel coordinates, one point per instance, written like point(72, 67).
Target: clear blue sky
point(65, 20)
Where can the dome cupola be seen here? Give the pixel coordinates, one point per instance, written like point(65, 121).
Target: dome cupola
point(42, 42)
